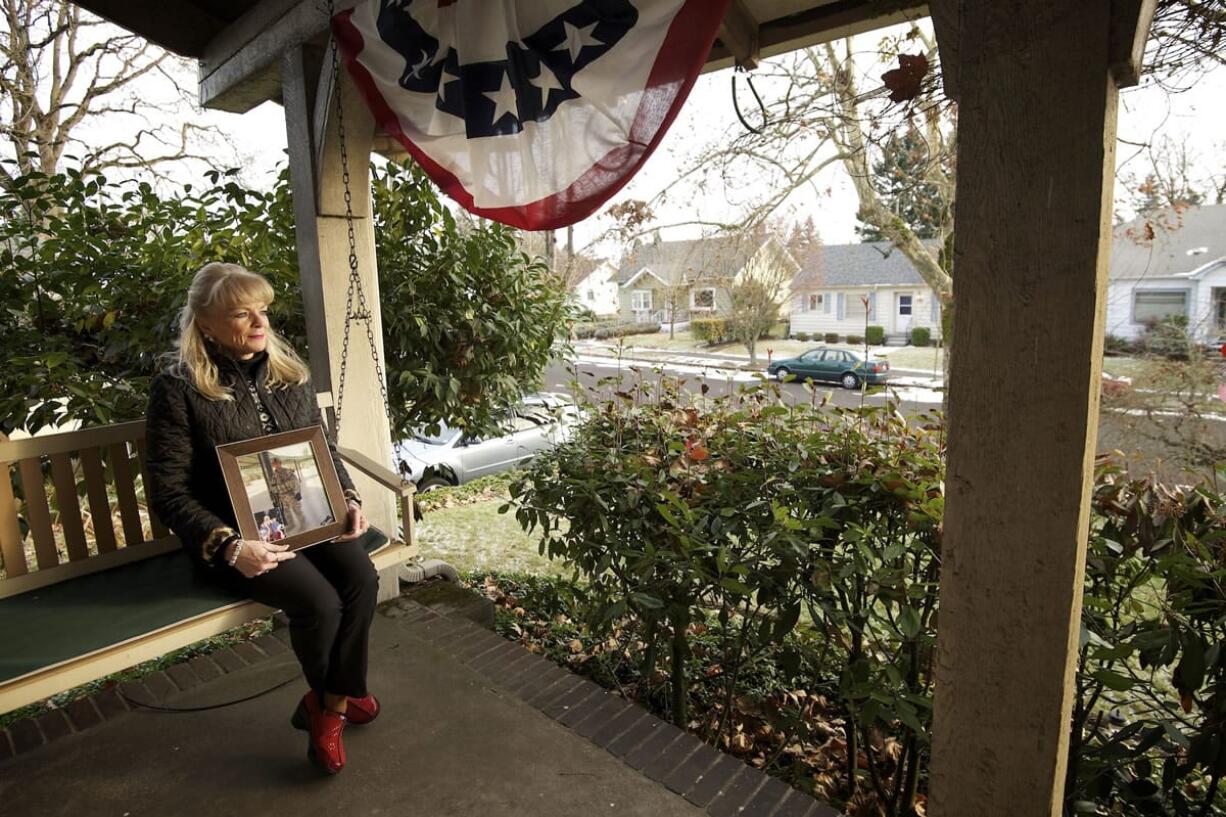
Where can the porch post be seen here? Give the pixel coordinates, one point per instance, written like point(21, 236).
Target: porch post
point(323, 257)
point(1036, 154)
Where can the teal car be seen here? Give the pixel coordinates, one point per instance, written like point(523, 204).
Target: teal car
point(836, 365)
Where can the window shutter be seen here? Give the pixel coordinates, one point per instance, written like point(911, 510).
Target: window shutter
point(936, 310)
point(841, 306)
point(798, 304)
point(826, 303)
point(872, 305)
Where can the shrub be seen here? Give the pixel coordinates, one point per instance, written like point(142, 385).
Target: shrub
point(1153, 620)
point(679, 522)
point(711, 330)
point(667, 512)
point(831, 337)
point(780, 330)
point(801, 336)
point(601, 330)
point(1116, 345)
point(921, 336)
point(875, 335)
point(1167, 338)
point(855, 340)
point(467, 318)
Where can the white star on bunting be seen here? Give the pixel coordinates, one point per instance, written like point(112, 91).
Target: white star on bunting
point(503, 99)
point(547, 81)
point(577, 39)
point(447, 78)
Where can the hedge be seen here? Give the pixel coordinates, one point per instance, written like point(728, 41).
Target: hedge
point(801, 336)
point(832, 337)
point(875, 335)
point(711, 330)
point(855, 340)
point(613, 329)
point(921, 336)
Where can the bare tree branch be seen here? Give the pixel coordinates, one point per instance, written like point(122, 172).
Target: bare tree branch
point(61, 69)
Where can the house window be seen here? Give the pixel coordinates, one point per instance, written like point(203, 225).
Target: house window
point(1156, 304)
point(640, 299)
point(817, 302)
point(702, 299)
point(904, 304)
point(855, 308)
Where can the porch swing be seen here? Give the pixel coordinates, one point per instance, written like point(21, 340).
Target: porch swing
point(122, 598)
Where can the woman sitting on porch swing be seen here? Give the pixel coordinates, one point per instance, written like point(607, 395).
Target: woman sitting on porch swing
point(231, 379)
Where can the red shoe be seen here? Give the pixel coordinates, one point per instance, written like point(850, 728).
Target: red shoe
point(358, 712)
point(361, 711)
point(324, 748)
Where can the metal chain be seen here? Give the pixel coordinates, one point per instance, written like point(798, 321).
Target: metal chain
point(355, 280)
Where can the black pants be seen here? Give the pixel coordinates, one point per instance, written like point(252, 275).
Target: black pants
point(329, 593)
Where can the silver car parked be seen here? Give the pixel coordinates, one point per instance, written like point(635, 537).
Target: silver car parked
point(450, 457)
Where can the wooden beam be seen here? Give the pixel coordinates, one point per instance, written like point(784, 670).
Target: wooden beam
point(323, 254)
point(824, 23)
point(1036, 160)
point(739, 34)
point(1130, 24)
point(240, 67)
point(176, 25)
point(299, 72)
point(947, 24)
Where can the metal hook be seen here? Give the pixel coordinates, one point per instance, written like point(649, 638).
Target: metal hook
point(736, 106)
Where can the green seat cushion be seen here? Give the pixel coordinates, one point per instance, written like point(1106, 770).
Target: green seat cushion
point(43, 627)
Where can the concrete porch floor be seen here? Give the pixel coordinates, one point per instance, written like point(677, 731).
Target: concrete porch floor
point(471, 725)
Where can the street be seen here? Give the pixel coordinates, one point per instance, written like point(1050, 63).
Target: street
point(1158, 445)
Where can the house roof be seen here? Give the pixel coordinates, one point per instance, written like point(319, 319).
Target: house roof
point(584, 267)
point(1185, 243)
point(675, 261)
point(857, 265)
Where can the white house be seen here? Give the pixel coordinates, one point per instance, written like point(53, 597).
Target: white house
point(678, 280)
point(598, 290)
point(1173, 263)
point(845, 288)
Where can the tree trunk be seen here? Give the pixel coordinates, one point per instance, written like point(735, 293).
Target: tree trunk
point(680, 689)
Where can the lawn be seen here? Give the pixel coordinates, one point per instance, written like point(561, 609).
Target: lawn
point(476, 537)
point(1126, 366)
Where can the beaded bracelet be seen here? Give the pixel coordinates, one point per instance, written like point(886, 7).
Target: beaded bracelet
point(238, 548)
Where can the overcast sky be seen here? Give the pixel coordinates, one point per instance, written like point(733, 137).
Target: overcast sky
point(1195, 118)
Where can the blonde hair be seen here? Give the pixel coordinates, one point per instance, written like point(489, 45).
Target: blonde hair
point(222, 286)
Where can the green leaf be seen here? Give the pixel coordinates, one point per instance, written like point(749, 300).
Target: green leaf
point(908, 621)
point(1113, 680)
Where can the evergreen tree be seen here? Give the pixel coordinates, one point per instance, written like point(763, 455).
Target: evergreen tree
point(898, 175)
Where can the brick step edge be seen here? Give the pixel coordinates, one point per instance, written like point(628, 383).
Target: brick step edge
point(709, 779)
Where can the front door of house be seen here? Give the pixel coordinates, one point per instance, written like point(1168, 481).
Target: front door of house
point(904, 306)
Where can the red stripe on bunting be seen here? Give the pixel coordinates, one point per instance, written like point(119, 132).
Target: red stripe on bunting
point(685, 49)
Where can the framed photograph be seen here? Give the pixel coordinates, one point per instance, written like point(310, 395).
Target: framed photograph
point(284, 488)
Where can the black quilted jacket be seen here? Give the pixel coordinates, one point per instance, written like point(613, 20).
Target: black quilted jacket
point(183, 427)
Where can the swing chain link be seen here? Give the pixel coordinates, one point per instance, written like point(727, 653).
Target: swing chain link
point(355, 280)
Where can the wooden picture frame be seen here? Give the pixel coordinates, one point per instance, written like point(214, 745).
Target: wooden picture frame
point(284, 488)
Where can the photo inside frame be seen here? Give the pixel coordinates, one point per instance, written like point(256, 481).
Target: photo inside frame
point(285, 490)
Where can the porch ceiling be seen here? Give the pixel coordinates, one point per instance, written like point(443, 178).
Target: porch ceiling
point(239, 52)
